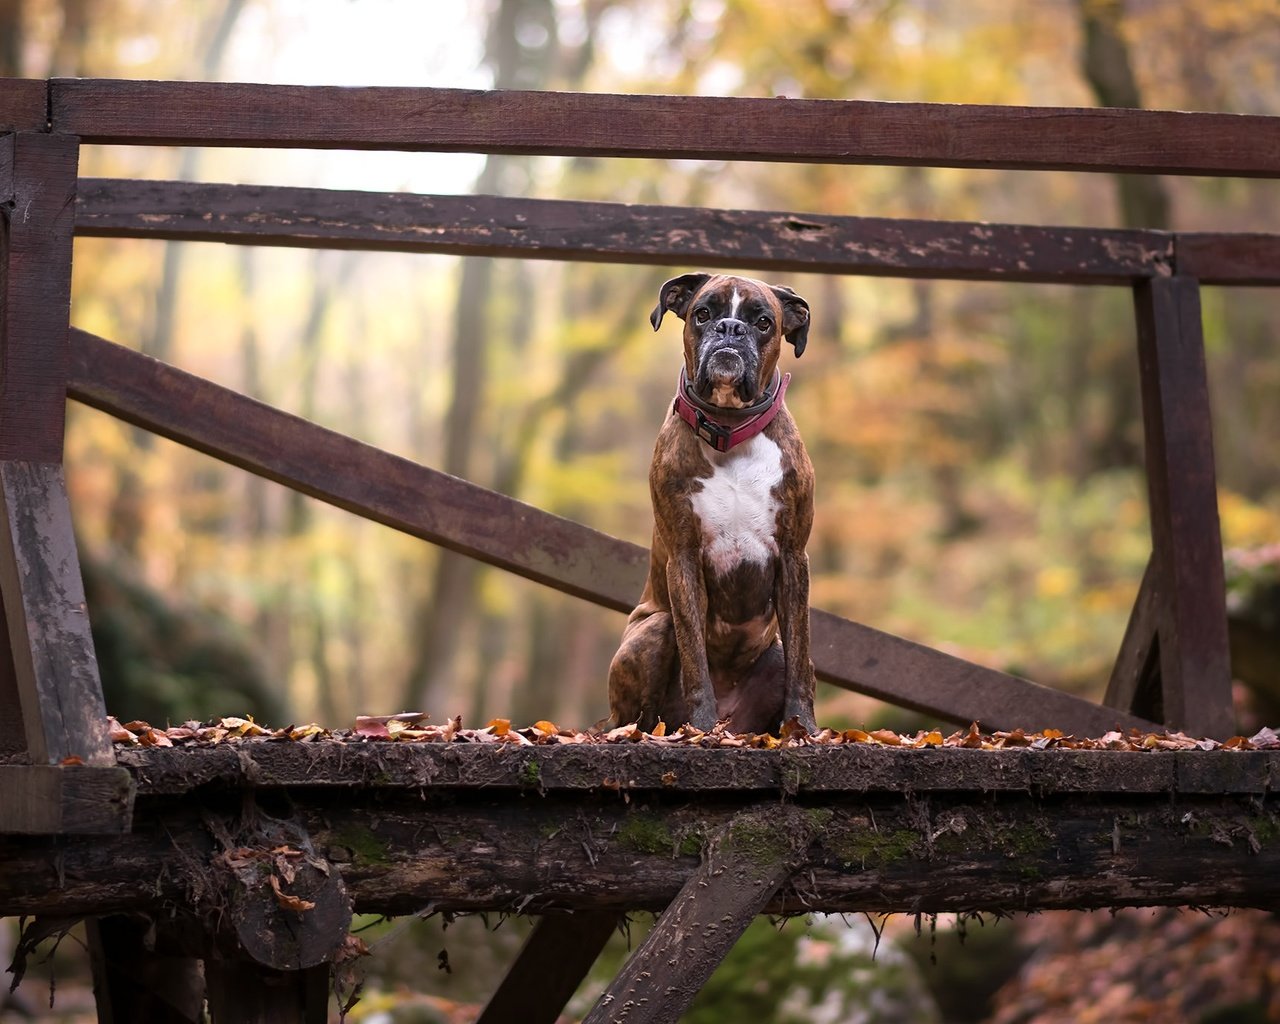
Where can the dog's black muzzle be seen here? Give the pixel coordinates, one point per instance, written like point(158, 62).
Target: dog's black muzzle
point(728, 357)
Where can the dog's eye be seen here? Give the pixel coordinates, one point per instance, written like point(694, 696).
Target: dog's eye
point(702, 315)
point(764, 323)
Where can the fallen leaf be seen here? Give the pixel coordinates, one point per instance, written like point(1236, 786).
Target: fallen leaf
point(154, 738)
point(294, 903)
point(352, 947)
point(1265, 739)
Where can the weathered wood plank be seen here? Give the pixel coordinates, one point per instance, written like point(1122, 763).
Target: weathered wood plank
point(614, 232)
point(1195, 667)
point(35, 296)
point(136, 985)
point(521, 539)
point(879, 852)
point(742, 868)
point(24, 105)
point(552, 963)
point(1134, 685)
point(684, 127)
point(1229, 259)
point(357, 477)
point(241, 992)
point(673, 768)
point(50, 800)
point(870, 661)
point(6, 171)
point(55, 671)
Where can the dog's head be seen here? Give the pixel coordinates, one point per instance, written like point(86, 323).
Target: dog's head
point(733, 332)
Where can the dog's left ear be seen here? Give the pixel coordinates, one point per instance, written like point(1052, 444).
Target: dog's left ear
point(676, 295)
point(795, 317)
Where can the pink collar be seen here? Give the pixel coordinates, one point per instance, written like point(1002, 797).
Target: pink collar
point(748, 421)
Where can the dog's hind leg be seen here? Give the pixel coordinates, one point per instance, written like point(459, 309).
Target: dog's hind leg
point(644, 672)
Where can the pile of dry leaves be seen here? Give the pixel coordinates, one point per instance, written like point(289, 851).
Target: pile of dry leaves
point(413, 727)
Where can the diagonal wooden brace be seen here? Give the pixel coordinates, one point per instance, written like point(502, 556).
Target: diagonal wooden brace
point(553, 961)
point(744, 867)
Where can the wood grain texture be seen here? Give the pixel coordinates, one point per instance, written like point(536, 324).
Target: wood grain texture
point(797, 772)
point(742, 868)
point(912, 675)
point(35, 296)
point(388, 489)
point(136, 985)
point(1195, 665)
point(487, 849)
point(50, 643)
point(24, 105)
point(527, 541)
point(552, 963)
point(1230, 259)
point(616, 233)
point(682, 127)
point(1134, 685)
point(242, 992)
point(6, 171)
point(50, 800)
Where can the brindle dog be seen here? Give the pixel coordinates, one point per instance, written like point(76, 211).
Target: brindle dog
point(722, 628)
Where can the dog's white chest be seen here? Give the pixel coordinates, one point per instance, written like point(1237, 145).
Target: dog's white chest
point(737, 506)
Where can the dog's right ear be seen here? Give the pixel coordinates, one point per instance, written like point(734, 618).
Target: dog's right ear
point(676, 295)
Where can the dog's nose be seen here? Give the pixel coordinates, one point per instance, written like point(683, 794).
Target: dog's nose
point(731, 328)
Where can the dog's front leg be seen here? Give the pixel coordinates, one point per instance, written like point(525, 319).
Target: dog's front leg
point(688, 595)
point(792, 602)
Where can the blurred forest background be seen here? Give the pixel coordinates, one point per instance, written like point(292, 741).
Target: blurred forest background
point(978, 446)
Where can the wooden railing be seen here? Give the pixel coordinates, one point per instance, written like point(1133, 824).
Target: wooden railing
point(1173, 664)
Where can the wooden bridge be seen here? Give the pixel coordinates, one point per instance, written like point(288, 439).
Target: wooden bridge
point(156, 839)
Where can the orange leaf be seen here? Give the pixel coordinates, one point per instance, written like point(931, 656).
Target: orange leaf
point(887, 737)
point(294, 903)
point(499, 726)
point(660, 729)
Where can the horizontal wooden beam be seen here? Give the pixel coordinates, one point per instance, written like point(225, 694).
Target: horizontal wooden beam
point(52, 800)
point(400, 849)
point(537, 545)
point(687, 769)
point(1229, 259)
point(679, 127)
point(615, 233)
point(24, 105)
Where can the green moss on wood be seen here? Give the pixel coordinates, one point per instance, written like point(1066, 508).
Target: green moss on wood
point(366, 847)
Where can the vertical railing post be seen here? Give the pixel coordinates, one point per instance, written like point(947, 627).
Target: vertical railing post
point(1178, 632)
point(50, 673)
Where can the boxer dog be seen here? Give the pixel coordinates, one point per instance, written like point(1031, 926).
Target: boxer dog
point(721, 632)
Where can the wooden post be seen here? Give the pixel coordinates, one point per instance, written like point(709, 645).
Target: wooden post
point(1179, 625)
point(245, 992)
point(133, 984)
point(50, 671)
point(553, 961)
point(744, 867)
